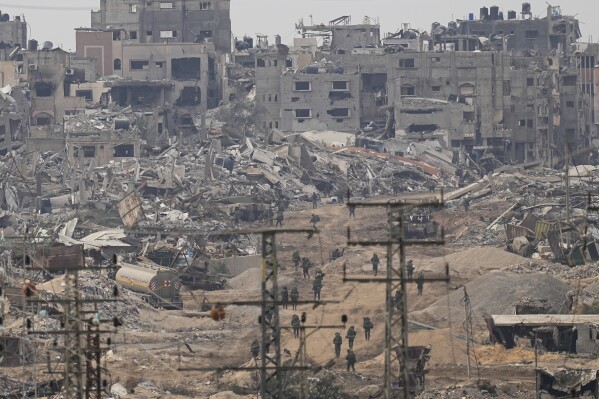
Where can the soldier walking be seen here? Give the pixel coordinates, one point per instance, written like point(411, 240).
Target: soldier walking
point(375, 264)
point(314, 201)
point(337, 341)
point(420, 283)
point(285, 298)
point(410, 269)
point(351, 360)
point(316, 287)
point(351, 335)
point(296, 324)
point(367, 327)
point(294, 298)
point(296, 259)
point(306, 265)
point(255, 349)
point(280, 218)
point(352, 211)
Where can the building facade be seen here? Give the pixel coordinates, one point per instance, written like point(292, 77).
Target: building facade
point(175, 21)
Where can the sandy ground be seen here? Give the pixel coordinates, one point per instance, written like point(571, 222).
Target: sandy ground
point(164, 343)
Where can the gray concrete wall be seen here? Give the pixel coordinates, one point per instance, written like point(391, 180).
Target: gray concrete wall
point(14, 32)
point(269, 69)
point(238, 264)
point(187, 18)
point(321, 100)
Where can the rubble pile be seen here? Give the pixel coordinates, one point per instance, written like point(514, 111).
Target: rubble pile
point(497, 292)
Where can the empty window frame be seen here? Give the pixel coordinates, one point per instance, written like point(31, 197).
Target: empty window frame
point(117, 64)
point(339, 112)
point(133, 35)
point(570, 80)
point(406, 63)
point(87, 94)
point(167, 5)
point(340, 85)
point(124, 151)
point(302, 113)
point(168, 34)
point(302, 86)
point(132, 8)
point(205, 5)
point(88, 151)
point(408, 90)
point(186, 68)
point(137, 65)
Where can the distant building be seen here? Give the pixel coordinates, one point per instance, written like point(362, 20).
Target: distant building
point(13, 33)
point(175, 21)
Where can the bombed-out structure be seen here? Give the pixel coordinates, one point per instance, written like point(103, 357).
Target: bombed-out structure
point(514, 86)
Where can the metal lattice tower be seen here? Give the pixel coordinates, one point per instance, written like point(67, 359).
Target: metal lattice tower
point(73, 353)
point(396, 323)
point(271, 378)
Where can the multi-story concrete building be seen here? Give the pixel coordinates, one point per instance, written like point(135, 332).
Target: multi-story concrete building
point(554, 32)
point(13, 33)
point(341, 35)
point(175, 21)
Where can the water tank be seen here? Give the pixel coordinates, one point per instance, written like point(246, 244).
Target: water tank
point(32, 45)
point(5, 17)
point(435, 26)
point(249, 41)
point(500, 17)
point(452, 25)
point(511, 15)
point(121, 124)
point(48, 45)
point(17, 18)
point(526, 8)
point(278, 40)
point(471, 16)
point(484, 13)
point(494, 15)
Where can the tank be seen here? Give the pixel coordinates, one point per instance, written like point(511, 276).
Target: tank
point(278, 40)
point(526, 9)
point(471, 16)
point(160, 288)
point(32, 45)
point(494, 13)
point(484, 13)
point(48, 45)
point(511, 15)
point(5, 18)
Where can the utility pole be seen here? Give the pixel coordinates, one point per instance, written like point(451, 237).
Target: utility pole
point(468, 327)
point(71, 260)
point(272, 371)
point(396, 324)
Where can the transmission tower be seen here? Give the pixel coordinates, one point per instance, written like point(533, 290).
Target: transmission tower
point(396, 323)
point(81, 366)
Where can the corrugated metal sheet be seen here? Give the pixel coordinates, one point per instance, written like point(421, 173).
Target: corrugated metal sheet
point(512, 231)
point(58, 258)
point(541, 229)
point(530, 221)
point(130, 210)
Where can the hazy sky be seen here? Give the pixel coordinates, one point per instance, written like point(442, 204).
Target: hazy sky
point(56, 20)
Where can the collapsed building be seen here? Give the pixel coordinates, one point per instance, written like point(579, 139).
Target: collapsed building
point(526, 100)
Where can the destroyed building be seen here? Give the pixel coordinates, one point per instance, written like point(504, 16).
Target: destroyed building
point(341, 35)
point(507, 32)
point(176, 21)
point(13, 33)
point(521, 106)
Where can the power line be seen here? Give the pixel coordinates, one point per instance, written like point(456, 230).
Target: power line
point(45, 8)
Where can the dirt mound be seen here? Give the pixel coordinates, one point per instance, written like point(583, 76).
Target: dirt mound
point(471, 262)
point(496, 293)
point(251, 279)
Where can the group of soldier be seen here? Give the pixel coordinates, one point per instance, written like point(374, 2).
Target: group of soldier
point(375, 261)
point(296, 322)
